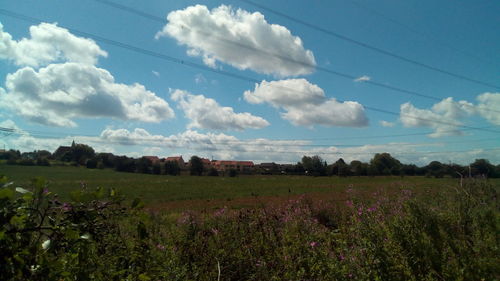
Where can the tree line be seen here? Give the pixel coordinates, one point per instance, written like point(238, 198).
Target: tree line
point(380, 164)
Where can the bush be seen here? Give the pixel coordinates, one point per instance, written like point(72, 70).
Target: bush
point(91, 163)
point(213, 172)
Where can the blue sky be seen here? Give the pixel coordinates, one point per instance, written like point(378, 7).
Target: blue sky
point(59, 85)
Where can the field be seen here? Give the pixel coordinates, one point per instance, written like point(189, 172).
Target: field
point(246, 228)
point(190, 192)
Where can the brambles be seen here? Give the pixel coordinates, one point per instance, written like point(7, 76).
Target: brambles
point(407, 234)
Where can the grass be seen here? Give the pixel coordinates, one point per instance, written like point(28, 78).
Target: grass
point(382, 228)
point(190, 192)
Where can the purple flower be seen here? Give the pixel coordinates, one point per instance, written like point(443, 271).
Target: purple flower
point(372, 209)
point(45, 191)
point(160, 247)
point(313, 244)
point(349, 203)
point(342, 257)
point(66, 206)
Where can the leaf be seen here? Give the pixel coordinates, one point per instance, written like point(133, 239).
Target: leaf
point(144, 277)
point(46, 244)
point(6, 193)
point(22, 190)
point(7, 184)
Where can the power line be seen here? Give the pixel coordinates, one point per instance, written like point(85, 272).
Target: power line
point(55, 134)
point(285, 58)
point(415, 31)
point(222, 72)
point(368, 46)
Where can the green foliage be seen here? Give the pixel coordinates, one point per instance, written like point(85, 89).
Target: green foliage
point(196, 164)
point(403, 234)
point(172, 168)
point(385, 164)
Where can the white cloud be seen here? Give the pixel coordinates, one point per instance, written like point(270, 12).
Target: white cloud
point(386, 123)
point(305, 104)
point(58, 93)
point(138, 142)
point(48, 43)
point(444, 117)
point(155, 73)
point(208, 114)
point(237, 37)
point(489, 107)
point(363, 78)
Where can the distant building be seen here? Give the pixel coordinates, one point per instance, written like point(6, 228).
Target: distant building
point(153, 159)
point(177, 159)
point(242, 166)
point(207, 164)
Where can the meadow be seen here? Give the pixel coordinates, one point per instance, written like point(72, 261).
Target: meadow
point(245, 228)
point(191, 192)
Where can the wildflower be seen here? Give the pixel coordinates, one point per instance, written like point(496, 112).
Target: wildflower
point(372, 209)
point(360, 211)
point(349, 203)
point(342, 257)
point(160, 247)
point(66, 206)
point(313, 244)
point(45, 191)
point(220, 212)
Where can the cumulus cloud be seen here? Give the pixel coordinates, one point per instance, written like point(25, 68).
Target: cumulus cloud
point(206, 113)
point(48, 43)
point(487, 102)
point(140, 142)
point(444, 117)
point(305, 104)
point(58, 93)
point(239, 38)
point(363, 78)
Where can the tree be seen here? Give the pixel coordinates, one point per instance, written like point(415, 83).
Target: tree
point(156, 168)
point(143, 165)
point(81, 152)
point(409, 170)
point(435, 169)
point(91, 163)
point(482, 167)
point(213, 172)
point(124, 164)
point(339, 168)
point(385, 164)
point(314, 166)
point(196, 164)
point(358, 168)
point(172, 168)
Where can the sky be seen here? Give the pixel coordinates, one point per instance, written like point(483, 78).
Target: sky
point(267, 81)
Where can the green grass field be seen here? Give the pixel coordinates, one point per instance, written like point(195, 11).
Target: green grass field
point(357, 228)
point(181, 192)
